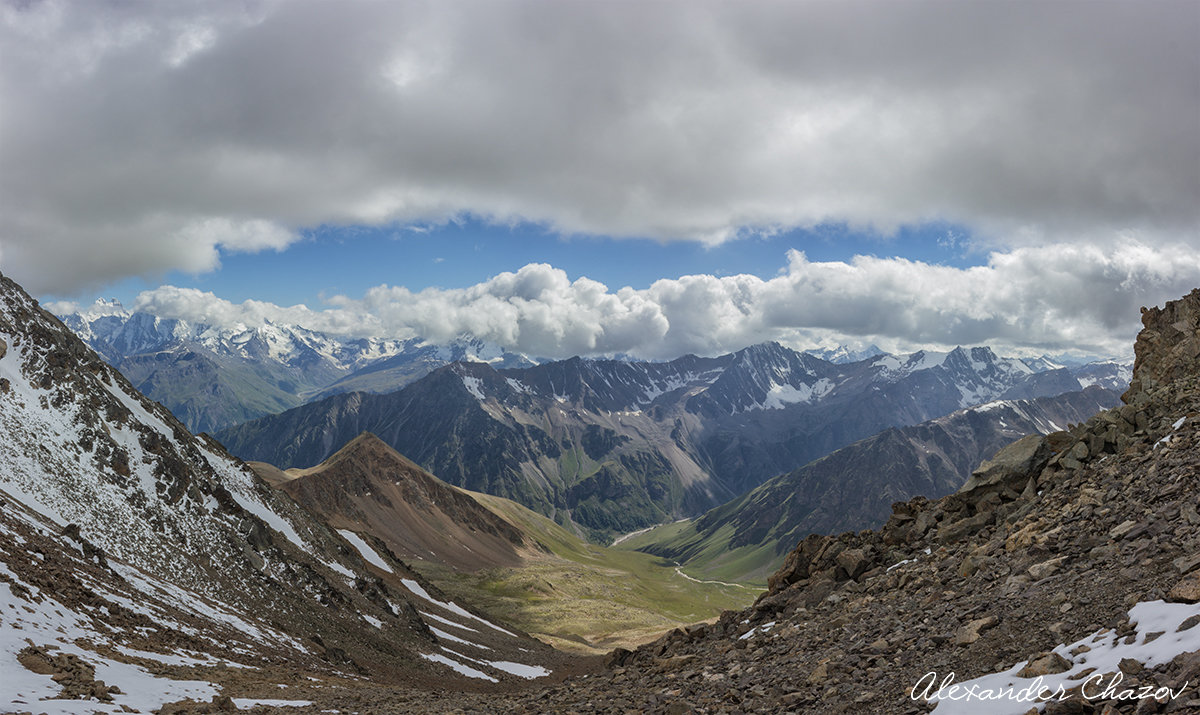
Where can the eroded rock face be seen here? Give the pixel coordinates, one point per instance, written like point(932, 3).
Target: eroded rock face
point(1168, 347)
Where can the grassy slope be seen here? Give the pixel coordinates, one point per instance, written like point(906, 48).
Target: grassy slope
point(585, 597)
point(713, 560)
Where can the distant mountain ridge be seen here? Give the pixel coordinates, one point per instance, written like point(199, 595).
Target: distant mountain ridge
point(613, 446)
point(213, 377)
point(843, 354)
point(853, 488)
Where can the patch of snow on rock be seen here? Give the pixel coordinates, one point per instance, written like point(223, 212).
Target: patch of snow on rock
point(371, 555)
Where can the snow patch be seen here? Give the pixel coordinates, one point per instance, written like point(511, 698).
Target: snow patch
point(248, 703)
point(474, 386)
point(924, 360)
point(779, 396)
point(529, 672)
point(754, 631)
point(518, 386)
point(187, 658)
point(458, 667)
point(447, 621)
point(369, 554)
point(416, 588)
point(1107, 651)
point(443, 634)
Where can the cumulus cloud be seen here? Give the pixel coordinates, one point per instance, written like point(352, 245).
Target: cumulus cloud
point(1032, 298)
point(143, 137)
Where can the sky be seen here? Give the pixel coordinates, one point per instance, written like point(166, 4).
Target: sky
point(564, 177)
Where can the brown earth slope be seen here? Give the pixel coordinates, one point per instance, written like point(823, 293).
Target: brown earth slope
point(492, 553)
point(369, 487)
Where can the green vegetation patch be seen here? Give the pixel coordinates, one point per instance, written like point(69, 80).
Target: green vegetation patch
point(584, 596)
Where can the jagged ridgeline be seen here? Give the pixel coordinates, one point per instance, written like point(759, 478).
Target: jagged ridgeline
point(609, 447)
point(134, 553)
point(854, 487)
point(212, 377)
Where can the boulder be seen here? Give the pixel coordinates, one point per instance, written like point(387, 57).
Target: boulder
point(1012, 466)
point(970, 632)
point(1047, 663)
point(1186, 590)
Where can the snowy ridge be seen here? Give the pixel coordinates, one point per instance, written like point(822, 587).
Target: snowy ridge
point(111, 328)
point(844, 354)
point(108, 324)
point(977, 373)
point(50, 480)
point(1111, 374)
point(1020, 409)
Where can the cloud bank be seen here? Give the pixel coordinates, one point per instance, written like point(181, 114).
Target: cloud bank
point(1030, 299)
point(143, 137)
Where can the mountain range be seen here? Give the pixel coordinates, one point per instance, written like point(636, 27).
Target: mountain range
point(853, 488)
point(212, 377)
point(146, 569)
point(611, 446)
point(1064, 577)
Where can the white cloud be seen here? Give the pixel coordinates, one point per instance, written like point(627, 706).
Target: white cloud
point(205, 308)
point(244, 236)
point(1031, 298)
point(145, 137)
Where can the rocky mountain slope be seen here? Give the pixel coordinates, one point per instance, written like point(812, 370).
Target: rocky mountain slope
point(212, 377)
point(367, 486)
point(491, 551)
point(854, 487)
point(614, 446)
point(1069, 562)
point(136, 554)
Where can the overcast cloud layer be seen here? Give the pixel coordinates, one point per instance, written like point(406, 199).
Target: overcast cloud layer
point(138, 138)
point(1031, 299)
